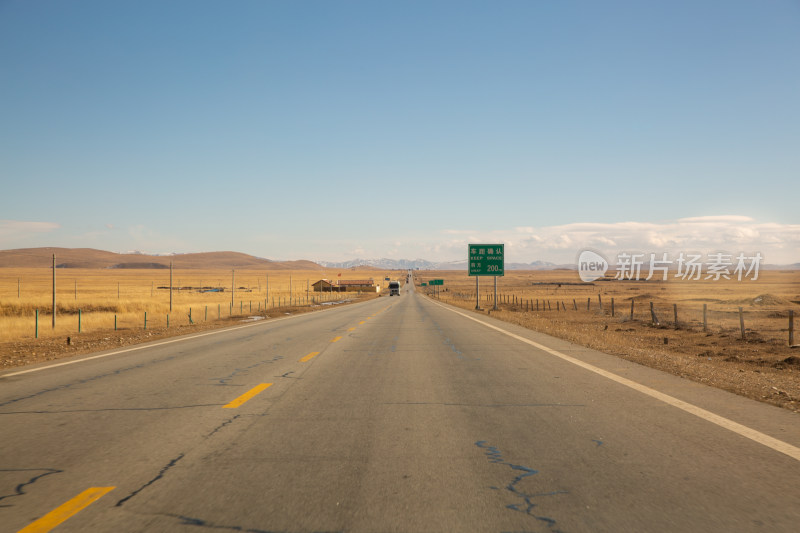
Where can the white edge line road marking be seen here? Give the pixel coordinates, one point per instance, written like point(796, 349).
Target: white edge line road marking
point(744, 431)
point(179, 339)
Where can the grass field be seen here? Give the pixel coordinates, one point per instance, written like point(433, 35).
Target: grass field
point(102, 295)
point(765, 302)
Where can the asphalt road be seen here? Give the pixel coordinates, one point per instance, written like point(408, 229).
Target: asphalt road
point(398, 414)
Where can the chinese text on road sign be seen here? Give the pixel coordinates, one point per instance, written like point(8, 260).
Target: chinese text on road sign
point(486, 259)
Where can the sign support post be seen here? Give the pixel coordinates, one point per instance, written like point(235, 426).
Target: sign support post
point(495, 293)
point(486, 260)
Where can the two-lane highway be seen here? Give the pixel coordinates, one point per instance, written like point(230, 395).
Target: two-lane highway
point(397, 414)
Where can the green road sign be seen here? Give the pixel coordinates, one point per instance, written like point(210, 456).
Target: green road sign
point(424, 284)
point(486, 259)
point(436, 282)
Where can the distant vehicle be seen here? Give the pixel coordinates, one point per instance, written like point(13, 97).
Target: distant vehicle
point(394, 288)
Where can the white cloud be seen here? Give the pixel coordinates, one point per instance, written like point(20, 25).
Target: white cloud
point(733, 219)
point(778, 243)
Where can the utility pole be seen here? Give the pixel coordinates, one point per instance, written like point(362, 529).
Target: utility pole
point(170, 286)
point(54, 291)
point(233, 286)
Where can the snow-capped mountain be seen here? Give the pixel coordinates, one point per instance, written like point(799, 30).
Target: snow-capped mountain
point(423, 264)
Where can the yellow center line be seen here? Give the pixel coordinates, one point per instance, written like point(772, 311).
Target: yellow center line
point(351, 329)
point(362, 322)
point(309, 357)
point(247, 396)
point(66, 510)
point(336, 339)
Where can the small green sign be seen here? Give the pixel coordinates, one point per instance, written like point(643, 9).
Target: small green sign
point(424, 284)
point(436, 282)
point(487, 259)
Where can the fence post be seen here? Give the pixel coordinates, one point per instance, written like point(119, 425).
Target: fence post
point(206, 317)
point(600, 300)
point(588, 303)
point(653, 314)
point(612, 307)
point(37, 326)
point(632, 301)
point(79, 320)
point(705, 317)
point(145, 320)
point(791, 327)
point(675, 311)
point(115, 322)
point(574, 304)
point(741, 322)
point(167, 320)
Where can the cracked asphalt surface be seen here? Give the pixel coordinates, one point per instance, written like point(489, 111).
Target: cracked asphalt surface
point(416, 419)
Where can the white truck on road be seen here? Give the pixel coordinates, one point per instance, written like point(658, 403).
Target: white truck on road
point(394, 288)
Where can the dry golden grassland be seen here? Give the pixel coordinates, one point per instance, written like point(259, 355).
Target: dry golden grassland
point(103, 294)
point(762, 365)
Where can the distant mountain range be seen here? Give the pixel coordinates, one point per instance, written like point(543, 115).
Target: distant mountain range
point(90, 258)
point(423, 264)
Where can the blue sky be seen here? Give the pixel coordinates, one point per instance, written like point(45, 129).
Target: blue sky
point(332, 130)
